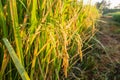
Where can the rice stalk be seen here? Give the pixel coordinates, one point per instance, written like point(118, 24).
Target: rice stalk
point(3, 21)
point(48, 34)
point(3, 27)
point(16, 28)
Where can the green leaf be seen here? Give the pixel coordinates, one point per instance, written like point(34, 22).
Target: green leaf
point(2, 20)
point(16, 28)
point(16, 61)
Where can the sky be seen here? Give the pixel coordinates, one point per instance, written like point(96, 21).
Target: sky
point(113, 2)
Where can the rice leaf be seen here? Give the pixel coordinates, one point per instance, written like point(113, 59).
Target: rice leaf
point(16, 28)
point(16, 61)
point(3, 21)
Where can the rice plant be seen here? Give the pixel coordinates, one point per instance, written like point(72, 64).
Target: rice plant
point(38, 38)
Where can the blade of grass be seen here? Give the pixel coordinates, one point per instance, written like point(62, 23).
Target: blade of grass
point(4, 64)
point(5, 34)
point(14, 16)
point(34, 59)
point(16, 60)
point(33, 16)
point(33, 26)
point(3, 21)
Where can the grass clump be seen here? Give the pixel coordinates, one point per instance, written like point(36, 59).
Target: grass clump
point(45, 35)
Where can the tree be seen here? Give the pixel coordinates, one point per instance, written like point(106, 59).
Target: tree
point(103, 5)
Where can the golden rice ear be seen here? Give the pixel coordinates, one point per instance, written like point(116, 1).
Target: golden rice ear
point(65, 63)
point(65, 54)
point(80, 45)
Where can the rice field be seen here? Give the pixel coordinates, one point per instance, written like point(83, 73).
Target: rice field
point(41, 39)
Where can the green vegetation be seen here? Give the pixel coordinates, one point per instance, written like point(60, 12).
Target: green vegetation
point(115, 15)
point(107, 11)
point(42, 39)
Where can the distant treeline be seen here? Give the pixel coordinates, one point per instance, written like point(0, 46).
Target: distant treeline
point(105, 11)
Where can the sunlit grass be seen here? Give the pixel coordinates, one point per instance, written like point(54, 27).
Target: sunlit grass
point(45, 35)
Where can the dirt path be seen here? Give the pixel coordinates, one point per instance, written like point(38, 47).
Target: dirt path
point(109, 36)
